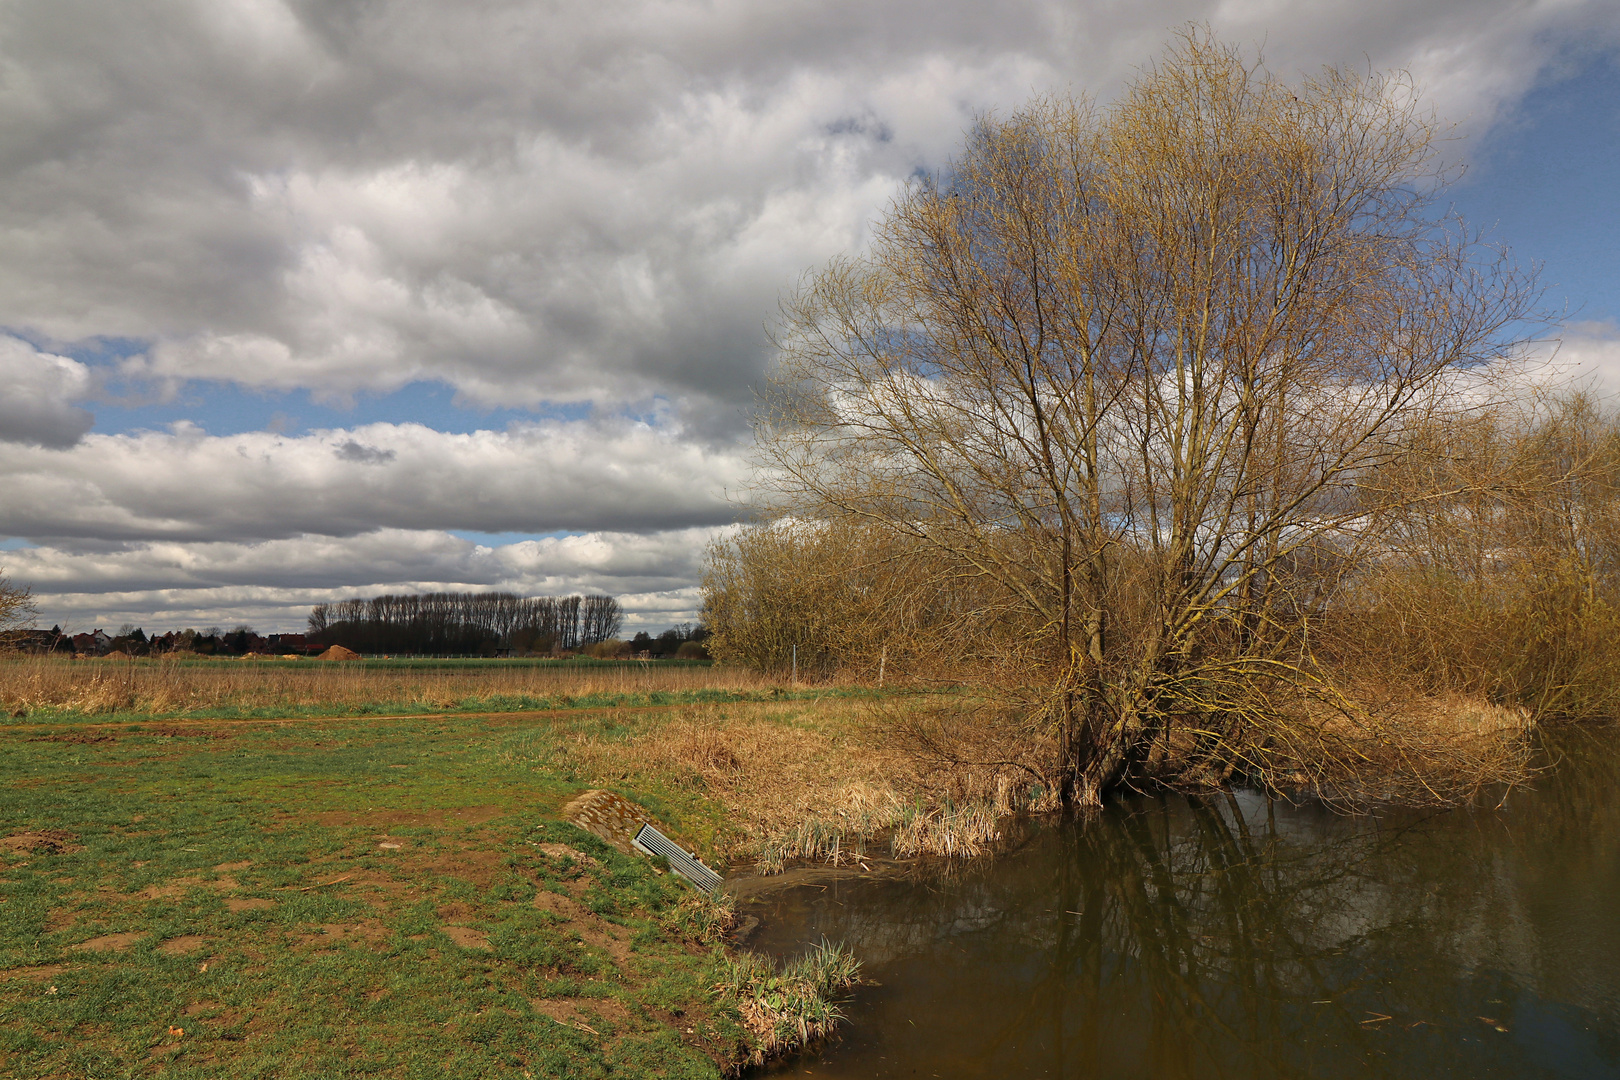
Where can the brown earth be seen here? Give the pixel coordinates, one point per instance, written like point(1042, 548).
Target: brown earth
point(466, 937)
point(42, 842)
point(248, 904)
point(108, 943)
point(45, 971)
point(575, 1011)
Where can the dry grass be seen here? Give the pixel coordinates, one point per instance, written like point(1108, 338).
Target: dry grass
point(165, 686)
point(810, 781)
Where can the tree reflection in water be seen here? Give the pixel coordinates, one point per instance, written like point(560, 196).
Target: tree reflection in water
point(1232, 937)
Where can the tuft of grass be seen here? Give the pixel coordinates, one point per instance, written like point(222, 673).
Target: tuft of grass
point(787, 1005)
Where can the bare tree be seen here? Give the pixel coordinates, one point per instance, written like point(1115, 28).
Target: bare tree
point(17, 608)
point(1124, 372)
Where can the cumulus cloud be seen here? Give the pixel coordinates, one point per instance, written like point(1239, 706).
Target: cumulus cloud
point(187, 485)
point(273, 584)
point(597, 202)
point(37, 405)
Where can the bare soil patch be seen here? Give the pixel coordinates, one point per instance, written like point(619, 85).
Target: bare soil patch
point(108, 943)
point(44, 971)
point(170, 889)
point(466, 937)
point(580, 1012)
point(183, 944)
point(557, 904)
point(42, 842)
point(364, 932)
point(255, 903)
point(472, 865)
point(563, 851)
point(77, 738)
point(611, 939)
point(187, 733)
point(232, 867)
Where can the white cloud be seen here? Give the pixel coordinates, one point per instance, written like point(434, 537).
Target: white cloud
point(1589, 356)
point(40, 389)
point(589, 203)
point(187, 485)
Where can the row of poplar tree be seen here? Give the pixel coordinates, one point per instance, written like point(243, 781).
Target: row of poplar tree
point(449, 623)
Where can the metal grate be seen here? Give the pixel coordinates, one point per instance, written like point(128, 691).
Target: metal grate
point(654, 842)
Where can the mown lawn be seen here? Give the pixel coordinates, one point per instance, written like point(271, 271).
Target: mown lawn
point(343, 897)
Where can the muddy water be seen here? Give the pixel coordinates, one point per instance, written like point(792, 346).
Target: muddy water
point(1232, 937)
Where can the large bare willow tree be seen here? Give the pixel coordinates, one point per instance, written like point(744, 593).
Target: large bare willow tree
point(1121, 373)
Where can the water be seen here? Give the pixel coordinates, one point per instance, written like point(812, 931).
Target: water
point(1232, 937)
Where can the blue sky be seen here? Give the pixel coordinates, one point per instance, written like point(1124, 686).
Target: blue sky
point(1546, 180)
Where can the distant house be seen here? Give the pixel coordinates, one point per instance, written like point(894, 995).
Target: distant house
point(34, 641)
point(96, 643)
point(286, 643)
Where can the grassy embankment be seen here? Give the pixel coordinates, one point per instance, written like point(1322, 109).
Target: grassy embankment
point(235, 895)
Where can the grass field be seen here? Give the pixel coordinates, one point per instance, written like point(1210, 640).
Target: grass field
point(231, 868)
point(340, 898)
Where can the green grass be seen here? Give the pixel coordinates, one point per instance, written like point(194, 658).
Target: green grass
point(366, 964)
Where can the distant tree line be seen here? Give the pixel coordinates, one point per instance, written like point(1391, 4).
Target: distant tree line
point(682, 641)
point(465, 623)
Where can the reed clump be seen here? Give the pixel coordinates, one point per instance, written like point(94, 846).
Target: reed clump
point(786, 1005)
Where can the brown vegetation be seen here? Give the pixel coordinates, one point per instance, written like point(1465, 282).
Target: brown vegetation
point(1118, 417)
point(812, 781)
point(16, 606)
point(164, 685)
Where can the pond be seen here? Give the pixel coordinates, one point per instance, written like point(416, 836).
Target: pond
point(1232, 936)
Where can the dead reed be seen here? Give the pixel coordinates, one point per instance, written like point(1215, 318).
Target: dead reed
point(805, 781)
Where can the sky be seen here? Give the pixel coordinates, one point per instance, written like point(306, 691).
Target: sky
point(309, 299)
